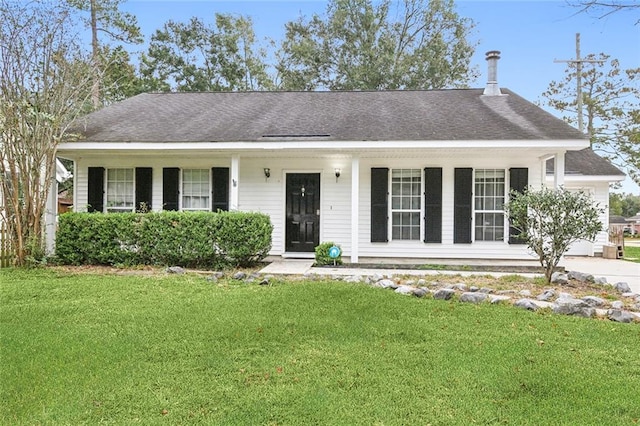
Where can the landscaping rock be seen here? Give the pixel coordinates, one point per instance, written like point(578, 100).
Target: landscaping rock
point(622, 287)
point(404, 289)
point(580, 276)
point(265, 281)
point(559, 278)
point(239, 275)
point(353, 279)
point(386, 283)
point(601, 281)
point(473, 297)
point(376, 277)
point(563, 295)
point(422, 282)
point(473, 288)
point(420, 292)
point(547, 295)
point(175, 270)
point(617, 304)
point(619, 315)
point(525, 293)
point(594, 301)
point(215, 276)
point(498, 299)
point(526, 304)
point(459, 287)
point(444, 294)
point(571, 306)
point(630, 294)
point(506, 291)
point(485, 290)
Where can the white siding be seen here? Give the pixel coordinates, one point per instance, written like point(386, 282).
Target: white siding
point(446, 249)
point(256, 193)
point(268, 195)
point(600, 193)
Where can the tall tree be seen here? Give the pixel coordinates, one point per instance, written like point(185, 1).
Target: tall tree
point(43, 87)
point(106, 17)
point(611, 100)
point(195, 56)
point(604, 8)
point(367, 45)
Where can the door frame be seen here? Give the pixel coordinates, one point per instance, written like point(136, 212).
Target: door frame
point(285, 172)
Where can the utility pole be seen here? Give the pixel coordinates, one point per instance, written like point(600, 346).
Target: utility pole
point(578, 61)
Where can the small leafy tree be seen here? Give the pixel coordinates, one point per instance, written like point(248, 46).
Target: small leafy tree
point(550, 220)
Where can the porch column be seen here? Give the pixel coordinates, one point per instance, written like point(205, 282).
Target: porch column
point(235, 173)
point(558, 170)
point(355, 197)
point(50, 213)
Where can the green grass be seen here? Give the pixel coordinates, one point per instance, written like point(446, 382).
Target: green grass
point(632, 253)
point(88, 349)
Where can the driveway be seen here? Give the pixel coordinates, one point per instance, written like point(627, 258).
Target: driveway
point(613, 270)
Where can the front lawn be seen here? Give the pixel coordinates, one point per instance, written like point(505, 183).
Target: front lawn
point(89, 349)
point(632, 253)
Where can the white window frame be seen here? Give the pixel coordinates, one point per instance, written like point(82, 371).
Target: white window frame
point(477, 211)
point(184, 193)
point(419, 211)
point(118, 195)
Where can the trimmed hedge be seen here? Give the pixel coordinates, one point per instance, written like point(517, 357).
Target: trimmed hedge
point(188, 239)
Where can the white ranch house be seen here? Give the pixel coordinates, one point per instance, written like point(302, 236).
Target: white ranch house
point(384, 174)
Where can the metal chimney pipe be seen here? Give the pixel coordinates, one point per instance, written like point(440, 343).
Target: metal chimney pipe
point(492, 88)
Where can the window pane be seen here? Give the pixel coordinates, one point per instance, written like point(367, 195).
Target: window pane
point(406, 202)
point(489, 204)
point(395, 202)
point(195, 189)
point(119, 187)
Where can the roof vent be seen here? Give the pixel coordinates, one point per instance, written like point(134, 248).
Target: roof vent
point(492, 88)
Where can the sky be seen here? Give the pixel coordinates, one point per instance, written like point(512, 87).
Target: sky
point(529, 34)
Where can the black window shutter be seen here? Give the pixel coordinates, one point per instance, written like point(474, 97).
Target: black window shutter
point(379, 204)
point(95, 189)
point(433, 205)
point(518, 181)
point(170, 188)
point(144, 190)
point(220, 189)
point(462, 197)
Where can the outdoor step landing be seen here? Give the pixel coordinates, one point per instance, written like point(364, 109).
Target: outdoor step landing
point(288, 267)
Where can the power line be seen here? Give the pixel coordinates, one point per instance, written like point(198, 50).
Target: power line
point(579, 61)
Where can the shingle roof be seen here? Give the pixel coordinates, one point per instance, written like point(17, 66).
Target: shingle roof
point(616, 219)
point(587, 163)
point(457, 114)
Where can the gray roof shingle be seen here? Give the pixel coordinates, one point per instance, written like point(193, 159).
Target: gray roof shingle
point(586, 163)
point(455, 114)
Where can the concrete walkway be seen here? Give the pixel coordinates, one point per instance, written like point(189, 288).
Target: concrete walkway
point(613, 270)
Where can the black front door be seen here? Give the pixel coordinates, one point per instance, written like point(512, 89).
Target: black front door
point(303, 212)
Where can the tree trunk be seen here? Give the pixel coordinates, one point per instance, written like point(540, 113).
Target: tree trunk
point(95, 57)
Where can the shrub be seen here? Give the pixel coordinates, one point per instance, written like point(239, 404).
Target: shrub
point(322, 254)
point(243, 238)
point(189, 239)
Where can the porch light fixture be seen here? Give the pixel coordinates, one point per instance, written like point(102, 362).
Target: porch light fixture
point(337, 173)
point(267, 172)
